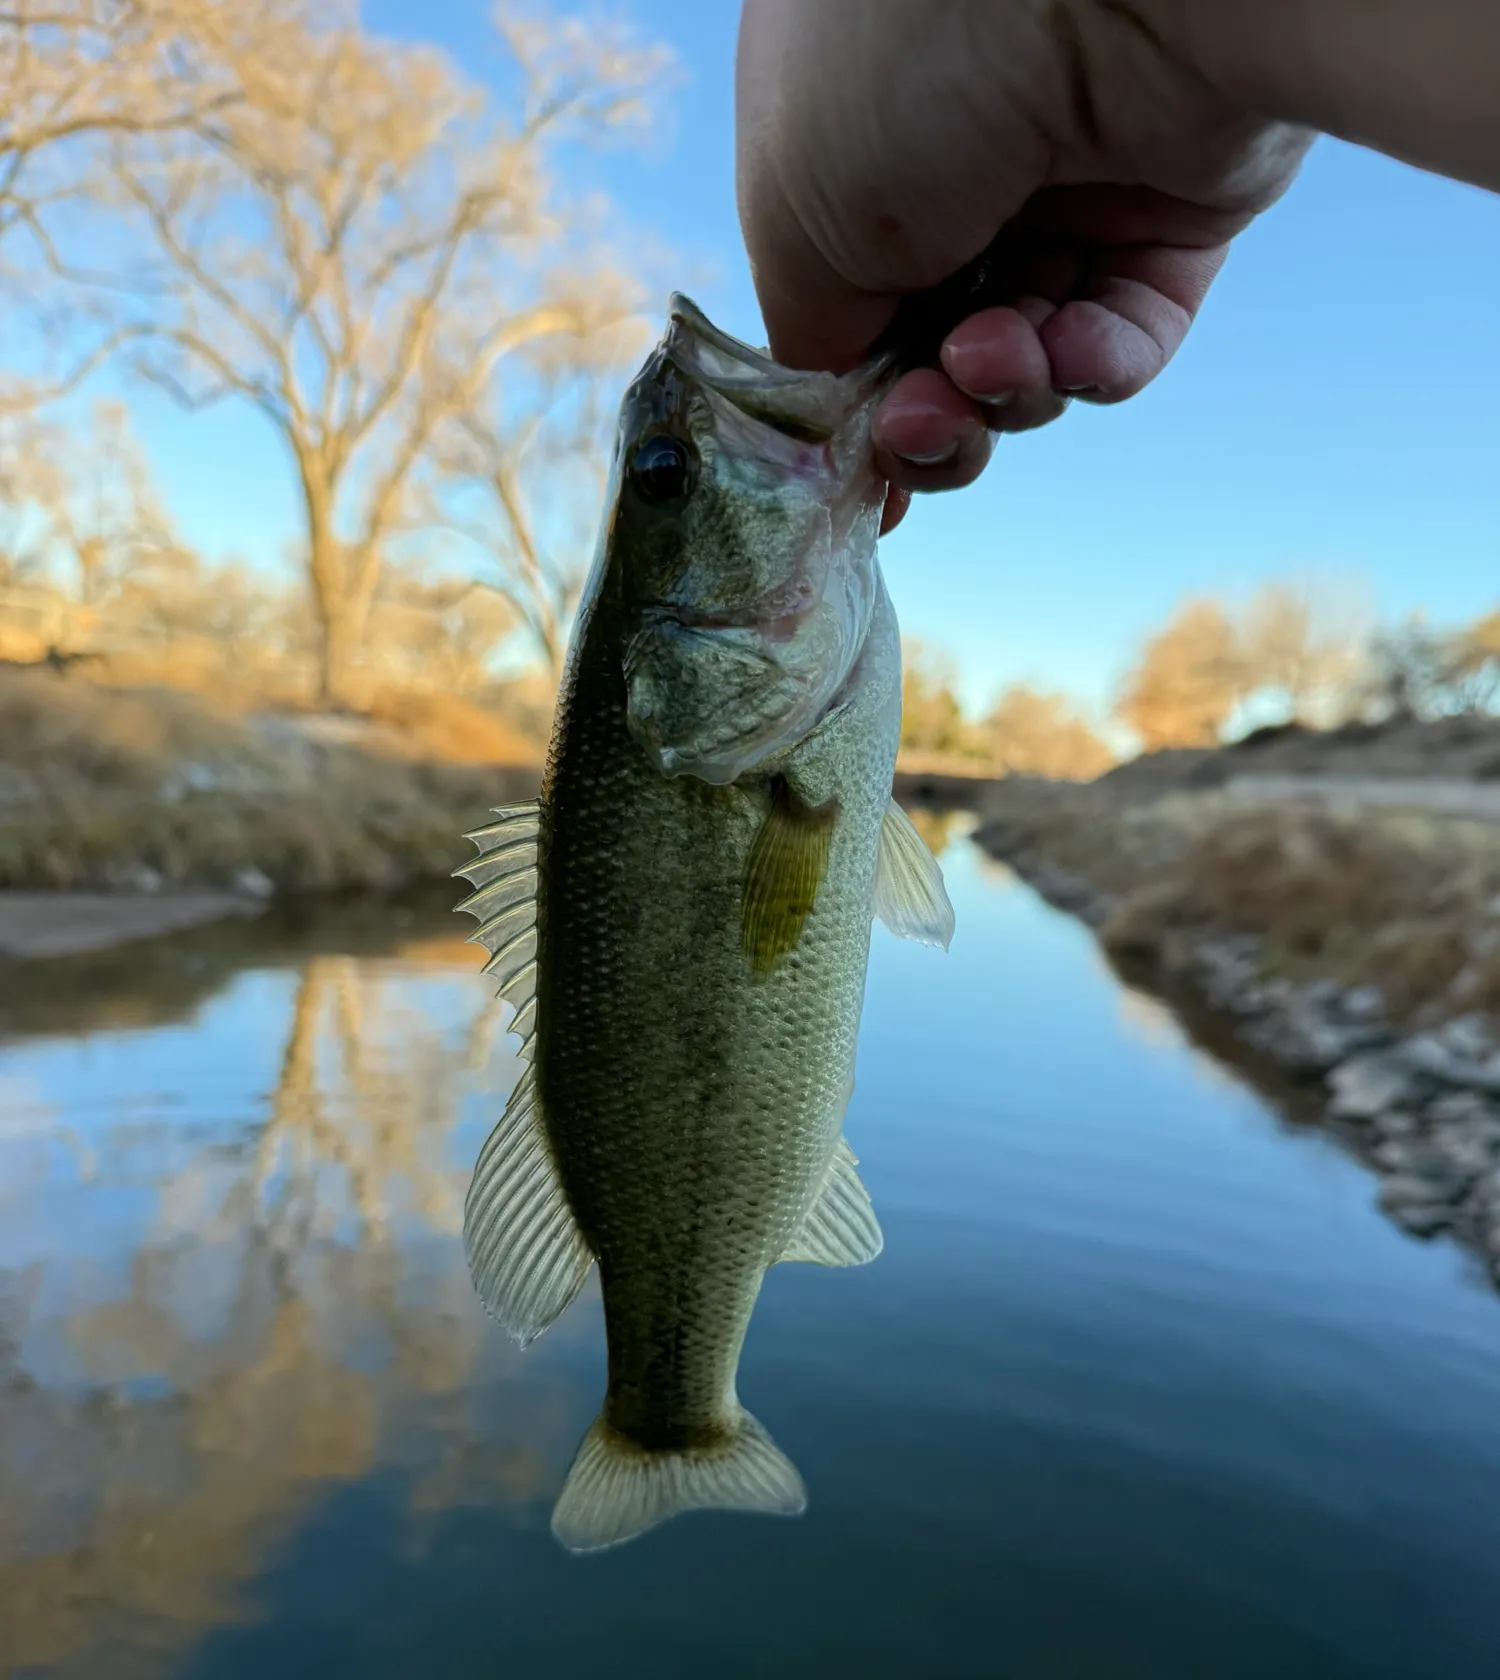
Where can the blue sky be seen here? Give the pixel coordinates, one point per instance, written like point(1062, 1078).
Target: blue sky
point(1333, 414)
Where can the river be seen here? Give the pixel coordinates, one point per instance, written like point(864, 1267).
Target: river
point(1142, 1386)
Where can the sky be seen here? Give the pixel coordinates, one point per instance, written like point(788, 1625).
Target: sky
point(1333, 414)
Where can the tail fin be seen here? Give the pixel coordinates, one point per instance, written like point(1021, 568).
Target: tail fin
point(617, 1490)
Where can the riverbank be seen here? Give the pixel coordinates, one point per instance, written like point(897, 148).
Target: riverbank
point(1353, 946)
point(149, 791)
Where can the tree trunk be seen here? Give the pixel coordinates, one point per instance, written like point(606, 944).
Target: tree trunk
point(337, 637)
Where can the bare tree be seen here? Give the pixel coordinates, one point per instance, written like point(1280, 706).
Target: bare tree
point(80, 506)
point(1420, 672)
point(1474, 664)
point(524, 493)
point(362, 247)
point(1189, 679)
point(75, 77)
point(1304, 648)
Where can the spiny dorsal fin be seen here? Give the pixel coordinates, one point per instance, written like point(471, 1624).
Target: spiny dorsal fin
point(505, 876)
point(841, 1228)
point(910, 897)
point(787, 863)
point(526, 1254)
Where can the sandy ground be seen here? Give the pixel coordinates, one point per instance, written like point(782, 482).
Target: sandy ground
point(61, 924)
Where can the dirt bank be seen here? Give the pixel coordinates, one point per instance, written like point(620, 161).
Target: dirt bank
point(151, 789)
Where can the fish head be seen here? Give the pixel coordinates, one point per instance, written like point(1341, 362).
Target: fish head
point(742, 547)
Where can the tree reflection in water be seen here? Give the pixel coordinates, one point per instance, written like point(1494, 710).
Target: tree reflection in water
point(280, 1308)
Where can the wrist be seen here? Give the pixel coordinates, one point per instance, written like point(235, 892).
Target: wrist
point(1413, 78)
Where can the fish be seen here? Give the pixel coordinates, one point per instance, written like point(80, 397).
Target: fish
point(682, 921)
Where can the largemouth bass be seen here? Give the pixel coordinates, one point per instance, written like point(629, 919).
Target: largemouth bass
point(683, 921)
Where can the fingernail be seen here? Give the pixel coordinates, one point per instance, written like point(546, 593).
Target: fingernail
point(938, 458)
point(1077, 390)
point(990, 399)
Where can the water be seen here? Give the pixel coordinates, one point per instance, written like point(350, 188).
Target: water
point(1142, 1386)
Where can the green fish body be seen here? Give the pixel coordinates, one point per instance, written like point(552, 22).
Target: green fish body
point(683, 921)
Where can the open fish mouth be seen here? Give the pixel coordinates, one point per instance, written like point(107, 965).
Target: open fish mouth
point(798, 402)
point(707, 699)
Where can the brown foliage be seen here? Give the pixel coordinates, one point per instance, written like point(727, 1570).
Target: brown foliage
point(1190, 678)
point(932, 719)
point(1039, 734)
point(447, 729)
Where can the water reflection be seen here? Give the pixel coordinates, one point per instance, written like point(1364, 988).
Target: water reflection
point(1143, 1384)
point(217, 1303)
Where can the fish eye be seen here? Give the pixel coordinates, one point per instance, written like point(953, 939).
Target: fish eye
point(661, 469)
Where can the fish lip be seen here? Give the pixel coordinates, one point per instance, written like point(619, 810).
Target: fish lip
point(685, 315)
point(688, 327)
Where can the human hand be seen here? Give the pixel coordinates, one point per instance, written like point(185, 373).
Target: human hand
point(883, 144)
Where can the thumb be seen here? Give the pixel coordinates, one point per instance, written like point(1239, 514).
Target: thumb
point(848, 202)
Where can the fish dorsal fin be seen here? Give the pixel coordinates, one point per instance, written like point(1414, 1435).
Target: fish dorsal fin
point(526, 1254)
point(504, 876)
point(786, 866)
point(841, 1228)
point(910, 897)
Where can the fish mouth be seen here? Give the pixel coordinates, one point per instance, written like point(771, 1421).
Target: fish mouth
point(807, 405)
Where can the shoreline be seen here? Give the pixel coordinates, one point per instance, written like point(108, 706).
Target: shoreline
point(1420, 1108)
point(41, 926)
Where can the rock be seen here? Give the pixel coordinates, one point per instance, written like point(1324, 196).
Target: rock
point(1458, 1108)
point(254, 883)
point(1306, 1042)
point(1393, 1154)
point(1446, 1167)
point(1427, 1054)
point(1396, 1123)
point(1250, 1000)
point(1485, 1196)
point(1227, 975)
point(1470, 1036)
point(1363, 1004)
point(1465, 1151)
point(1409, 1201)
point(1367, 1085)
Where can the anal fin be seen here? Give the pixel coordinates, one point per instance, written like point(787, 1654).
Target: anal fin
point(526, 1254)
point(841, 1228)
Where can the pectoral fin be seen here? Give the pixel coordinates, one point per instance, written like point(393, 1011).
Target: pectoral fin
point(910, 897)
point(787, 864)
point(841, 1228)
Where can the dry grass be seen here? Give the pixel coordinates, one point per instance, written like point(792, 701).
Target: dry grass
point(445, 729)
point(1407, 899)
point(98, 785)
